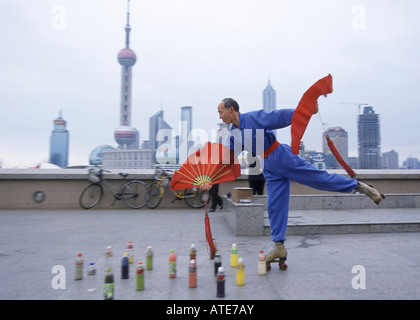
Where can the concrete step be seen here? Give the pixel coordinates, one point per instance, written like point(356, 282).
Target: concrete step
point(305, 222)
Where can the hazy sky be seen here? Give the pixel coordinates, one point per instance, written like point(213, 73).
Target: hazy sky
point(62, 55)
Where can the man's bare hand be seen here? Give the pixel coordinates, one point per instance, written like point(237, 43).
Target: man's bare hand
point(205, 186)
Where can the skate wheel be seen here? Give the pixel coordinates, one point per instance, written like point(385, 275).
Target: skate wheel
point(283, 266)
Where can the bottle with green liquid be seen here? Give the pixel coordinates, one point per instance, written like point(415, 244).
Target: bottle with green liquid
point(149, 258)
point(140, 277)
point(109, 285)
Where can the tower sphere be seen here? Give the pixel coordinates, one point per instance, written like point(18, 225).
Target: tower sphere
point(125, 135)
point(127, 57)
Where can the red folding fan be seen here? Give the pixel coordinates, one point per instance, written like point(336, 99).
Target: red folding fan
point(212, 164)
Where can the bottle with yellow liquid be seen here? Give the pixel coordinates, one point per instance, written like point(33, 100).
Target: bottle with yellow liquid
point(234, 256)
point(240, 273)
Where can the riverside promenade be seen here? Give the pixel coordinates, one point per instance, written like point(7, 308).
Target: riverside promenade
point(38, 249)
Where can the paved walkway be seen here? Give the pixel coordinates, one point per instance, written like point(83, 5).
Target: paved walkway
point(322, 266)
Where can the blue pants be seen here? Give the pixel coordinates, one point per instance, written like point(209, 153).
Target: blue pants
point(280, 167)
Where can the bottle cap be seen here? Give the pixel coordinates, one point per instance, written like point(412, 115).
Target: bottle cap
point(240, 260)
point(139, 263)
point(234, 245)
point(192, 261)
point(109, 269)
point(125, 254)
point(172, 250)
point(149, 248)
point(261, 251)
point(79, 255)
point(92, 263)
point(193, 245)
point(220, 269)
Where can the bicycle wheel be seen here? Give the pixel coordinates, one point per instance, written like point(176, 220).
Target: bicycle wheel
point(134, 194)
point(91, 196)
point(155, 195)
point(195, 198)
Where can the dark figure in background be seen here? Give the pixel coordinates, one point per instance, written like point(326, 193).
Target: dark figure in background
point(215, 198)
point(255, 176)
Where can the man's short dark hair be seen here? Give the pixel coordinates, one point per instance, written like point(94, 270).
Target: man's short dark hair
point(229, 102)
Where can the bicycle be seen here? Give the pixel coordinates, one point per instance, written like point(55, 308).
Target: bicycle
point(133, 192)
point(194, 197)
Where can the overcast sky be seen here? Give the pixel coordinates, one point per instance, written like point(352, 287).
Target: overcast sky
point(62, 55)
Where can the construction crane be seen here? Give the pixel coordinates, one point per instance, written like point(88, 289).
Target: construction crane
point(357, 104)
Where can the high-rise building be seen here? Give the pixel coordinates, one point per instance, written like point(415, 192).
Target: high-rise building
point(390, 160)
point(184, 144)
point(340, 139)
point(269, 98)
point(160, 132)
point(59, 143)
point(126, 136)
point(369, 139)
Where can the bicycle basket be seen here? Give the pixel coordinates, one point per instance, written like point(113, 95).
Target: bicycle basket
point(94, 176)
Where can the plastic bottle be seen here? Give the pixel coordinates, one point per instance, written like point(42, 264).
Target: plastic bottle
point(217, 262)
point(240, 273)
point(108, 257)
point(91, 277)
point(109, 285)
point(234, 256)
point(124, 266)
point(149, 258)
point(192, 276)
point(130, 251)
point(140, 277)
point(172, 264)
point(220, 283)
point(193, 253)
point(78, 275)
point(262, 269)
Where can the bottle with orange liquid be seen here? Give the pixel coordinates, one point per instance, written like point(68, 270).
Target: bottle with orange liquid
point(172, 264)
point(192, 276)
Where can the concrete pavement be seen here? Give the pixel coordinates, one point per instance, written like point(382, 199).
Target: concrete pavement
point(321, 266)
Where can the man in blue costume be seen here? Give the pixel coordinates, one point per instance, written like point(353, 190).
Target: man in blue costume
point(252, 132)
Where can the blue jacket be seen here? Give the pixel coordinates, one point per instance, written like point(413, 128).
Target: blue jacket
point(255, 133)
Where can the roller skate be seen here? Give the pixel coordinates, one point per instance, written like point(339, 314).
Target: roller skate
point(279, 255)
point(370, 191)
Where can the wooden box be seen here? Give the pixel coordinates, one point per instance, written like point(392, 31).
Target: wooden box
point(242, 194)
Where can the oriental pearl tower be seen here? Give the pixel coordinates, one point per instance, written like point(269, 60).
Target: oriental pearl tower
point(126, 136)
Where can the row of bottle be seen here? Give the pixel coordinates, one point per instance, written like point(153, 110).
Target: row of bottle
point(128, 258)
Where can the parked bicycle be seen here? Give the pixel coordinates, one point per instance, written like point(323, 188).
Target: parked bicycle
point(194, 197)
point(133, 192)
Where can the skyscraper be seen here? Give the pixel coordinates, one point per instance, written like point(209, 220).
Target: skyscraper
point(185, 129)
point(126, 136)
point(390, 160)
point(59, 143)
point(339, 137)
point(269, 98)
point(369, 139)
point(160, 132)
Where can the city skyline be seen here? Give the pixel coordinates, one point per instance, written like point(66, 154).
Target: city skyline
point(229, 50)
